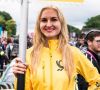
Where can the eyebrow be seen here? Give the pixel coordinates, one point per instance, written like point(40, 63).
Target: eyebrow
point(46, 17)
point(97, 40)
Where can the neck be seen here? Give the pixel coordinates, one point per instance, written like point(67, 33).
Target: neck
point(52, 40)
point(93, 50)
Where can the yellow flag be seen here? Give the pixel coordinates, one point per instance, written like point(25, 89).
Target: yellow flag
point(66, 0)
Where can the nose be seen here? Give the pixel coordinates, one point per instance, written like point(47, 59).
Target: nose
point(49, 23)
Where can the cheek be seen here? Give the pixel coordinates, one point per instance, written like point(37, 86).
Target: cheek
point(95, 45)
point(58, 26)
point(42, 26)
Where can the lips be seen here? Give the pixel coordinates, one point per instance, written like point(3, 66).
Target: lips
point(49, 29)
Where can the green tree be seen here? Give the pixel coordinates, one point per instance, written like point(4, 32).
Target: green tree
point(2, 21)
point(72, 29)
point(93, 22)
point(5, 15)
point(11, 27)
point(8, 23)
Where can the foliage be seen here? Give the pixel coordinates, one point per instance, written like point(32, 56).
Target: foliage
point(5, 15)
point(7, 23)
point(73, 29)
point(10, 27)
point(92, 23)
point(2, 21)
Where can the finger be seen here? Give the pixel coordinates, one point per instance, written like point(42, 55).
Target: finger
point(18, 60)
point(20, 65)
point(25, 64)
point(18, 70)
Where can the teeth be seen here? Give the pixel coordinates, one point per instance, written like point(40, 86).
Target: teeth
point(49, 27)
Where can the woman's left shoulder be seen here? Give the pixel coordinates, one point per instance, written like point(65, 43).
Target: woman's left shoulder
point(29, 50)
point(74, 49)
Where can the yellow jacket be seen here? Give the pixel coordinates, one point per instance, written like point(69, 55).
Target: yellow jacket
point(51, 75)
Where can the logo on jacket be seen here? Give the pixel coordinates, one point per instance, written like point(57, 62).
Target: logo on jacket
point(97, 84)
point(59, 64)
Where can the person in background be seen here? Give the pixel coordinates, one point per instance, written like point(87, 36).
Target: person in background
point(3, 60)
point(1, 57)
point(0, 43)
point(93, 50)
point(29, 43)
point(92, 53)
point(81, 42)
point(9, 47)
point(15, 49)
point(4, 43)
point(51, 63)
point(7, 78)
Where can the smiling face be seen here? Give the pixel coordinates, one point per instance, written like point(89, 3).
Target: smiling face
point(50, 25)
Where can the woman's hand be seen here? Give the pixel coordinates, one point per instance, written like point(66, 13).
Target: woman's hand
point(19, 67)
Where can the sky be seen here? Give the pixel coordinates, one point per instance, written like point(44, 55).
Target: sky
point(75, 14)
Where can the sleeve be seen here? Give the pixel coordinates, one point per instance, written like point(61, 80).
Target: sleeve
point(28, 85)
point(87, 70)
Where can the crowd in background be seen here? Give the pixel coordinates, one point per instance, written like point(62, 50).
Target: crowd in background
point(9, 49)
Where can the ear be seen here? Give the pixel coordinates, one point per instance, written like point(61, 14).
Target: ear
point(89, 42)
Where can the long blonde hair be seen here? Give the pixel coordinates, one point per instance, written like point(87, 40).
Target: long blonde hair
point(39, 41)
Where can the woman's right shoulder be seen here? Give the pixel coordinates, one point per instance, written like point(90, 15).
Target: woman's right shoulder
point(29, 49)
point(28, 54)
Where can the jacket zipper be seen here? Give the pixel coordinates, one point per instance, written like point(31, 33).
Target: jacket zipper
point(51, 73)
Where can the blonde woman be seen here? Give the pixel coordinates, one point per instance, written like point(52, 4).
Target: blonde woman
point(52, 64)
